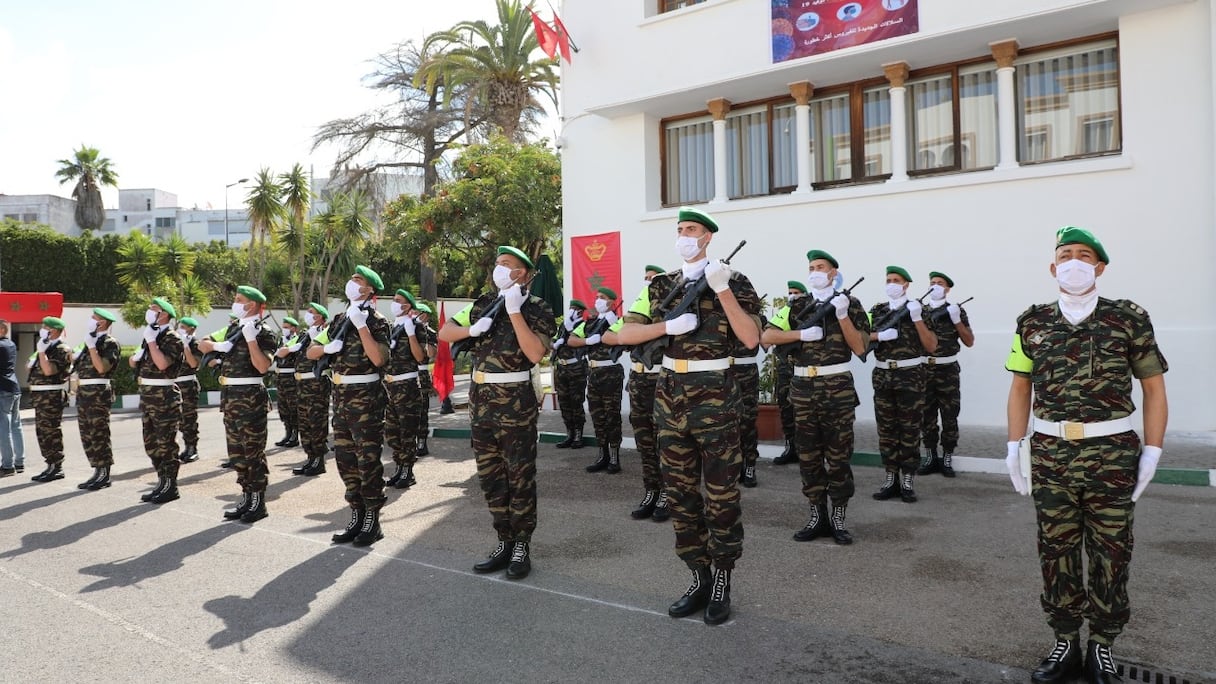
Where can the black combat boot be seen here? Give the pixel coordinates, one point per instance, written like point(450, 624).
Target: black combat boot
point(160, 484)
point(646, 508)
point(568, 441)
point(292, 439)
point(889, 488)
point(445, 407)
point(696, 596)
point(905, 488)
point(369, 531)
point(1063, 664)
point(839, 533)
point(497, 560)
point(167, 493)
point(304, 467)
point(578, 439)
point(189, 454)
point(422, 448)
point(54, 471)
point(101, 479)
point(257, 508)
point(316, 468)
point(1100, 664)
point(93, 478)
point(521, 561)
point(392, 481)
point(790, 455)
point(948, 464)
point(226, 463)
point(816, 527)
point(748, 478)
point(352, 527)
point(932, 464)
point(241, 508)
point(661, 510)
point(718, 609)
point(286, 438)
point(407, 479)
point(602, 462)
point(614, 459)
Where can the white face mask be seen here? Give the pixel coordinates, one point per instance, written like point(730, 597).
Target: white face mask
point(601, 305)
point(397, 309)
point(183, 332)
point(353, 293)
point(688, 247)
point(502, 277)
point(894, 290)
point(937, 292)
point(792, 296)
point(44, 334)
point(818, 280)
point(1075, 276)
point(310, 320)
point(238, 309)
point(150, 317)
point(91, 326)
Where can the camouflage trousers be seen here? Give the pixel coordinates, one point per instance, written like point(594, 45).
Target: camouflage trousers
point(161, 407)
point(93, 419)
point(899, 400)
point(48, 423)
point(825, 408)
point(401, 420)
point(245, 408)
point(781, 394)
point(313, 414)
point(695, 444)
point(425, 390)
point(570, 384)
point(747, 376)
point(604, 388)
point(641, 416)
point(506, 469)
point(943, 394)
point(289, 393)
point(1082, 497)
point(189, 427)
point(359, 442)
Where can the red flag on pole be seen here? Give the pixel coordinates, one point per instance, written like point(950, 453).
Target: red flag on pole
point(545, 35)
point(444, 376)
point(563, 37)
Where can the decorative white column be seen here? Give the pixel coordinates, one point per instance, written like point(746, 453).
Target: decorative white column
point(897, 75)
point(802, 134)
point(1005, 52)
point(718, 108)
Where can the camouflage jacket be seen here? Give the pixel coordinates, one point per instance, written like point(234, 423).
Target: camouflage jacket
point(938, 321)
point(353, 359)
point(713, 338)
point(400, 354)
point(906, 346)
point(832, 349)
point(237, 362)
point(498, 351)
point(597, 325)
point(60, 358)
point(107, 349)
point(170, 345)
point(427, 337)
point(305, 365)
point(293, 358)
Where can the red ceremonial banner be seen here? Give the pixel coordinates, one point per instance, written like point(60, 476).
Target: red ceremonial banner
point(802, 28)
point(443, 376)
point(30, 307)
point(595, 262)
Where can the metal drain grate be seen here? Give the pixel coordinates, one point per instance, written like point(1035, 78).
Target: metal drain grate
point(1139, 673)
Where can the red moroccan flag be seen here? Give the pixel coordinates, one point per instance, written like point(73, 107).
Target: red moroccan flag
point(545, 35)
point(443, 377)
point(563, 37)
point(595, 263)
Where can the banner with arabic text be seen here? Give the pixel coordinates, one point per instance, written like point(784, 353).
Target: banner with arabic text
point(802, 28)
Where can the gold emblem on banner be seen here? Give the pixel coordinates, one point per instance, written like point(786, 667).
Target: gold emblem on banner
point(595, 251)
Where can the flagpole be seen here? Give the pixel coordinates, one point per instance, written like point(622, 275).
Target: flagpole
point(573, 45)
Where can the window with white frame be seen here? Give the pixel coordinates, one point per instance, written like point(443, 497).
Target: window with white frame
point(1068, 103)
point(689, 161)
point(831, 149)
point(952, 120)
point(747, 163)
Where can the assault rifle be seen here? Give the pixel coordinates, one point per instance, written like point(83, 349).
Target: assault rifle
point(816, 316)
point(322, 364)
point(462, 346)
point(232, 337)
point(891, 320)
point(652, 351)
point(943, 314)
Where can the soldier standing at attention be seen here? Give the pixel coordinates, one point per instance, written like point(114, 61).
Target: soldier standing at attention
point(1087, 466)
point(902, 340)
point(49, 370)
point(943, 392)
point(358, 341)
point(693, 396)
point(570, 377)
point(157, 365)
point(94, 364)
point(503, 406)
point(187, 382)
point(286, 357)
point(822, 391)
point(605, 380)
point(427, 337)
point(745, 367)
point(313, 394)
point(781, 385)
point(404, 405)
point(244, 400)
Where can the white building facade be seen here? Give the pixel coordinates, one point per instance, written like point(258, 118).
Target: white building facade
point(960, 147)
point(57, 212)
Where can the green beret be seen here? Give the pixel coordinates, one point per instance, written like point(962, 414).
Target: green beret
point(820, 254)
point(319, 309)
point(656, 269)
point(106, 314)
point(408, 297)
point(578, 304)
point(607, 292)
point(371, 277)
point(188, 321)
point(1071, 235)
point(943, 276)
point(516, 253)
point(899, 271)
point(165, 306)
point(796, 285)
point(690, 214)
point(291, 321)
point(423, 308)
point(252, 294)
point(52, 322)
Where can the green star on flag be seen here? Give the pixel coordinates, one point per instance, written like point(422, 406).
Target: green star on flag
point(596, 281)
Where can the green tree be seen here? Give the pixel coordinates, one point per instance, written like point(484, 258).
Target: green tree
point(142, 267)
point(265, 206)
point(90, 170)
point(149, 269)
point(346, 227)
point(293, 236)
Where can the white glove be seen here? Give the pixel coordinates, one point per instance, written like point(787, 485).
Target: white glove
point(682, 324)
point(558, 342)
point(1149, 456)
point(313, 332)
point(294, 348)
point(811, 334)
point(334, 347)
point(611, 318)
point(717, 274)
point(409, 326)
point(1014, 466)
point(594, 339)
point(914, 309)
point(956, 314)
point(888, 334)
point(43, 345)
point(481, 327)
point(222, 347)
point(90, 341)
point(841, 302)
point(250, 331)
point(357, 317)
point(150, 334)
point(139, 355)
point(571, 322)
point(513, 298)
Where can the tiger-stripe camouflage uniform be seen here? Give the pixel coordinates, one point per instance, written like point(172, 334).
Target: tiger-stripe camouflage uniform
point(943, 389)
point(404, 397)
point(1073, 362)
point(783, 374)
point(605, 380)
point(188, 383)
point(50, 367)
point(745, 366)
point(640, 386)
point(287, 388)
point(158, 362)
point(570, 377)
point(426, 388)
point(313, 394)
point(95, 363)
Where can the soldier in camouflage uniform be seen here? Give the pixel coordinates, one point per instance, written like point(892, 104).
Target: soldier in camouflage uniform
point(826, 329)
point(286, 358)
point(943, 392)
point(570, 377)
point(745, 367)
point(188, 383)
point(781, 386)
point(693, 395)
point(50, 367)
point(503, 405)
point(358, 343)
point(157, 365)
point(313, 394)
point(95, 362)
point(427, 337)
point(404, 405)
point(605, 380)
point(902, 340)
point(248, 349)
point(1087, 466)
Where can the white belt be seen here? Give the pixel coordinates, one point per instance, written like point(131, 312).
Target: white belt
point(1074, 431)
point(340, 379)
point(285, 371)
point(399, 378)
point(691, 366)
point(940, 360)
point(160, 382)
point(639, 367)
point(306, 376)
point(899, 363)
point(815, 371)
point(186, 378)
point(93, 381)
point(426, 367)
point(49, 388)
point(567, 362)
point(225, 380)
point(744, 360)
point(484, 378)
point(601, 364)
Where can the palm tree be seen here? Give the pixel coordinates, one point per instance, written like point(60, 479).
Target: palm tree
point(177, 259)
point(143, 262)
point(346, 227)
point(90, 170)
point(293, 238)
point(265, 206)
point(495, 63)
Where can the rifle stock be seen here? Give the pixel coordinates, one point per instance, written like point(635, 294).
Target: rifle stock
point(816, 318)
point(942, 313)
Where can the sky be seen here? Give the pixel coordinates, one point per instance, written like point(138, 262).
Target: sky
point(188, 97)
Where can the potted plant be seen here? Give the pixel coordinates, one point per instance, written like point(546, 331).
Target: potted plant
point(768, 416)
